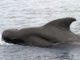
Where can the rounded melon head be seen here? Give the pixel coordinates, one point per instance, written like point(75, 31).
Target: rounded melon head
point(10, 35)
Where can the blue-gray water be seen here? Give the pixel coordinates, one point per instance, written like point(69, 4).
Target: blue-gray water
point(30, 13)
point(61, 52)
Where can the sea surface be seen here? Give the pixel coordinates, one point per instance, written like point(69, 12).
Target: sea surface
point(33, 13)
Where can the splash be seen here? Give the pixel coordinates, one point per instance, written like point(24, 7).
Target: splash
point(2, 42)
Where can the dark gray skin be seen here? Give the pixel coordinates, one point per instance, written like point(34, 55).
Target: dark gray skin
point(56, 31)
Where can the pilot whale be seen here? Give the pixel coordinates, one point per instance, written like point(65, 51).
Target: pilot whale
point(56, 31)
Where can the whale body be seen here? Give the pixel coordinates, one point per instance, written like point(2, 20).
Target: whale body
point(56, 31)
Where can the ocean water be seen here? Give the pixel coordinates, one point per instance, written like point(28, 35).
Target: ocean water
point(32, 13)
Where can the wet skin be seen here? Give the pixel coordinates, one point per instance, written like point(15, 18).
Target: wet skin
point(56, 31)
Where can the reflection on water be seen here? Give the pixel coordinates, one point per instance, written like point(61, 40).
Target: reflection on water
point(60, 52)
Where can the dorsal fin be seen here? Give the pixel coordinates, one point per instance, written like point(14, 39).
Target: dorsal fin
point(63, 23)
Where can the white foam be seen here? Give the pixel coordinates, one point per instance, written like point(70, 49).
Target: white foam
point(2, 42)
